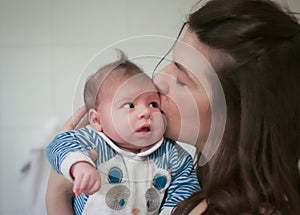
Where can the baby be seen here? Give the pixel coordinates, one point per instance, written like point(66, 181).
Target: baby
point(137, 170)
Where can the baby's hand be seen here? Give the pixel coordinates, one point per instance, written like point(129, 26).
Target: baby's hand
point(86, 178)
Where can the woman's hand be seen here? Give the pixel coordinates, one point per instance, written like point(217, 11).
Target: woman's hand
point(78, 120)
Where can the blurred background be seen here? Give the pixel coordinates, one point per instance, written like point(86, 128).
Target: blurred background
point(44, 46)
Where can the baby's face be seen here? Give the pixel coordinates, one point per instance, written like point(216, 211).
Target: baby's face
point(130, 112)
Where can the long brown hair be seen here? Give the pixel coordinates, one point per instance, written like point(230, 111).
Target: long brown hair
point(255, 170)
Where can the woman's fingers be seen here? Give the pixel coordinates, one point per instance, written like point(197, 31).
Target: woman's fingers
point(93, 154)
point(75, 119)
point(84, 121)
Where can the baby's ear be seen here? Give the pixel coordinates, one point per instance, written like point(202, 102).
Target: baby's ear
point(94, 120)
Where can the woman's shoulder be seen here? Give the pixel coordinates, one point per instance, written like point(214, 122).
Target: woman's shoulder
point(199, 209)
point(178, 149)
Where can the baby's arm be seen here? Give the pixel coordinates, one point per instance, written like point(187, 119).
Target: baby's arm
point(59, 192)
point(69, 148)
point(184, 179)
point(86, 178)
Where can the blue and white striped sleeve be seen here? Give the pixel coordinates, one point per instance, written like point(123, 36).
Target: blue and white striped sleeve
point(184, 179)
point(68, 148)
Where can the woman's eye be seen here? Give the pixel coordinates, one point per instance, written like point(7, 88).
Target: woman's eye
point(154, 105)
point(128, 105)
point(180, 83)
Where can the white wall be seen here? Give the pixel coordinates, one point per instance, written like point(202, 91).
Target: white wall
point(44, 45)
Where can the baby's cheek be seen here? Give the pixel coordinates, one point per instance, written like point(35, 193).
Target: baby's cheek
point(159, 123)
point(121, 123)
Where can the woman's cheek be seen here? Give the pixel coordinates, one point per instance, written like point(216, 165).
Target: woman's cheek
point(171, 117)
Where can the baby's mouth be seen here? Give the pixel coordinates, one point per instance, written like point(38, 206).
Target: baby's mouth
point(144, 128)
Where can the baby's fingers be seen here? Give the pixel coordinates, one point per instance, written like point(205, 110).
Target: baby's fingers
point(77, 185)
point(83, 185)
point(94, 186)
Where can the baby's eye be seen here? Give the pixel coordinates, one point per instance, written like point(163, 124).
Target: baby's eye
point(154, 105)
point(128, 105)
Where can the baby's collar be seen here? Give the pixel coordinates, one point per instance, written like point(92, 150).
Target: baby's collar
point(144, 152)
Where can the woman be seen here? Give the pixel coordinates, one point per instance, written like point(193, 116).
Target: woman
point(254, 47)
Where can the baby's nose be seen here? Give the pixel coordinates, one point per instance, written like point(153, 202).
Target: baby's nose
point(144, 113)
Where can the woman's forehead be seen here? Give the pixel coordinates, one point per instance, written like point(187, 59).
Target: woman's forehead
point(213, 56)
point(191, 55)
point(190, 43)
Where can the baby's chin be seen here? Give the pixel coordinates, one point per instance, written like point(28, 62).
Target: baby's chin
point(141, 143)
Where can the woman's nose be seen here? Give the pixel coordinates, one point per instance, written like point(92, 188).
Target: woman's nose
point(161, 81)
